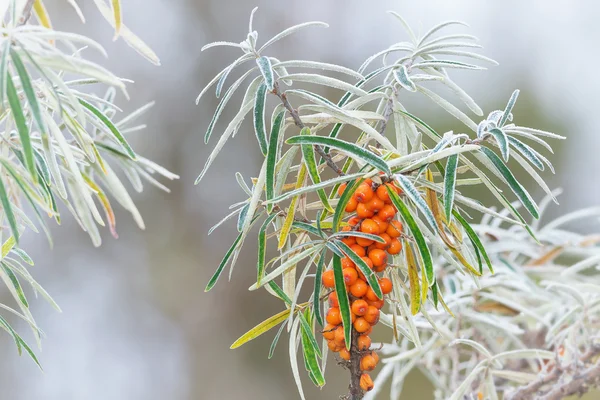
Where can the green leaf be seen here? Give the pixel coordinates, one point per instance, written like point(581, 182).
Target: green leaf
point(242, 217)
point(418, 235)
point(262, 247)
point(264, 64)
point(275, 341)
point(450, 184)
point(16, 285)
point(474, 239)
point(308, 154)
point(401, 76)
point(364, 268)
point(6, 205)
point(261, 328)
point(502, 141)
point(28, 89)
point(111, 127)
point(508, 109)
point(343, 146)
point(213, 280)
point(527, 152)
point(317, 289)
point(411, 191)
point(340, 209)
point(19, 117)
point(515, 186)
point(259, 117)
point(272, 157)
point(310, 359)
point(342, 295)
point(4, 69)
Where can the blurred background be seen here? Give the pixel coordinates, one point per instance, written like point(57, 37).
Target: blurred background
point(136, 323)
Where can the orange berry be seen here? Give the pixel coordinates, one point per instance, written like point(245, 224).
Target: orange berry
point(387, 213)
point(386, 285)
point(371, 296)
point(368, 261)
point(366, 383)
point(328, 279)
point(382, 193)
point(347, 263)
point(383, 225)
point(363, 242)
point(349, 240)
point(362, 211)
point(350, 276)
point(372, 315)
point(395, 247)
point(369, 226)
point(359, 307)
point(380, 268)
point(375, 356)
point(364, 342)
point(334, 346)
point(344, 354)
point(368, 363)
point(339, 336)
point(378, 304)
point(363, 193)
point(342, 188)
point(386, 244)
point(361, 325)
point(333, 300)
point(334, 317)
point(351, 205)
point(346, 229)
point(329, 332)
point(394, 229)
point(359, 289)
point(368, 331)
point(353, 221)
point(375, 204)
point(479, 395)
point(378, 256)
point(359, 250)
point(369, 182)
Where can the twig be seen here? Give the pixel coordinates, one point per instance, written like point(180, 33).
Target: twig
point(298, 122)
point(26, 13)
point(356, 392)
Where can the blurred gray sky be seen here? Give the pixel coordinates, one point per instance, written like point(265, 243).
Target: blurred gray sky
point(136, 322)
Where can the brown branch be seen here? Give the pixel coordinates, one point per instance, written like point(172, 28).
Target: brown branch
point(26, 13)
point(298, 122)
point(356, 392)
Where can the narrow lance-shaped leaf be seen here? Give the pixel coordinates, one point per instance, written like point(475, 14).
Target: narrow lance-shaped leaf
point(450, 184)
point(507, 111)
point(261, 328)
point(242, 217)
point(343, 146)
point(264, 64)
point(310, 359)
point(342, 295)
point(116, 7)
point(4, 69)
point(28, 89)
point(289, 219)
point(342, 202)
point(416, 232)
point(262, 247)
point(502, 141)
point(401, 76)
point(317, 289)
point(474, 239)
point(527, 151)
point(308, 154)
point(272, 157)
point(19, 117)
point(413, 277)
point(7, 208)
point(516, 187)
point(411, 191)
point(364, 268)
point(259, 117)
point(16, 285)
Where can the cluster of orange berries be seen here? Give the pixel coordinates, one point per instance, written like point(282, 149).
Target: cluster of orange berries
point(374, 215)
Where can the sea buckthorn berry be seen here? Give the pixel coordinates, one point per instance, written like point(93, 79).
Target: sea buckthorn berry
point(344, 354)
point(342, 188)
point(387, 213)
point(361, 325)
point(363, 242)
point(347, 263)
point(334, 317)
point(386, 244)
point(362, 211)
point(350, 276)
point(394, 229)
point(371, 296)
point(383, 194)
point(378, 304)
point(346, 229)
point(358, 250)
point(339, 336)
point(360, 307)
point(368, 331)
point(353, 221)
point(368, 181)
point(363, 193)
point(349, 240)
point(368, 363)
point(328, 279)
point(329, 332)
point(372, 315)
point(334, 346)
point(395, 247)
point(383, 225)
point(380, 268)
point(364, 342)
point(351, 205)
point(359, 289)
point(378, 256)
point(375, 356)
point(333, 300)
point(375, 204)
point(386, 285)
point(368, 261)
point(366, 383)
point(369, 226)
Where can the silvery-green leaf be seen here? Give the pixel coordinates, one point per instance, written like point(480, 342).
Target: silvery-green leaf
point(537, 132)
point(220, 75)
point(317, 65)
point(446, 64)
point(437, 28)
point(325, 81)
point(527, 151)
point(220, 43)
point(507, 115)
point(401, 76)
point(411, 191)
point(259, 118)
point(444, 45)
point(450, 184)
point(406, 26)
point(449, 107)
point(461, 53)
point(289, 31)
point(264, 64)
point(502, 141)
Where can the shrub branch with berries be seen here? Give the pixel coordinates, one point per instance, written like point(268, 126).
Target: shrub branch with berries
point(362, 200)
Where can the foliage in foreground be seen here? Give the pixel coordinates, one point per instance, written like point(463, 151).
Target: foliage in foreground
point(501, 306)
point(62, 145)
